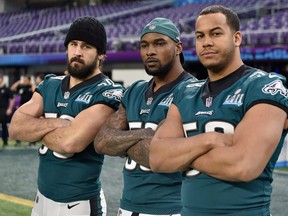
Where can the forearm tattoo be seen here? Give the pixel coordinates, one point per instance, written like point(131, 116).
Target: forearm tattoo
point(140, 152)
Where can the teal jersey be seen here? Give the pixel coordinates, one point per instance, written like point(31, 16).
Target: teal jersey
point(220, 106)
point(68, 178)
point(145, 191)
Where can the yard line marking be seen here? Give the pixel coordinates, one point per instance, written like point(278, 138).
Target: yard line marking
point(17, 200)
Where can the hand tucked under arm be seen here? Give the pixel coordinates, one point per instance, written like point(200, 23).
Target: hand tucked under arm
point(27, 123)
point(81, 131)
point(255, 140)
point(114, 138)
point(140, 151)
point(171, 151)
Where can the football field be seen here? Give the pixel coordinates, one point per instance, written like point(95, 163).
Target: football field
point(18, 178)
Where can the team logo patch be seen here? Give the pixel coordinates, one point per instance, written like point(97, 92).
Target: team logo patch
point(275, 87)
point(167, 101)
point(113, 94)
point(84, 98)
point(59, 104)
point(235, 99)
point(144, 111)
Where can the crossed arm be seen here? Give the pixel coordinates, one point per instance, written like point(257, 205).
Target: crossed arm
point(59, 135)
point(239, 158)
point(27, 124)
point(255, 140)
point(115, 139)
point(171, 151)
point(81, 131)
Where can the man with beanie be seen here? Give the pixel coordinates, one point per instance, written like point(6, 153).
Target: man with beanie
point(128, 132)
point(65, 113)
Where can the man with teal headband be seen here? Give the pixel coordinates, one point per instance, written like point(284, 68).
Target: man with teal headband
point(144, 105)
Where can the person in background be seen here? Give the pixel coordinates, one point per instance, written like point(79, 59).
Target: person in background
point(6, 108)
point(24, 89)
point(144, 106)
point(38, 79)
point(249, 104)
point(65, 113)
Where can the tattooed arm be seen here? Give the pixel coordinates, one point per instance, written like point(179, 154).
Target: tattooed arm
point(140, 151)
point(115, 138)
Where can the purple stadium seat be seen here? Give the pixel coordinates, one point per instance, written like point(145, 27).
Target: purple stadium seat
point(264, 39)
point(284, 37)
point(32, 48)
point(188, 42)
point(127, 20)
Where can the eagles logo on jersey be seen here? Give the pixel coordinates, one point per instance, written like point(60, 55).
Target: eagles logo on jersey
point(114, 93)
point(274, 87)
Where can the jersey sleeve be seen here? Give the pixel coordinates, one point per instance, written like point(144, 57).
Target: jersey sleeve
point(44, 84)
point(131, 92)
point(110, 95)
point(269, 89)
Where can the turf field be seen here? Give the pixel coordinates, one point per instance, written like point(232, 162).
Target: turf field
point(18, 176)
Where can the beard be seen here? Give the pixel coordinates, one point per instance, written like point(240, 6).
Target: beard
point(81, 72)
point(162, 71)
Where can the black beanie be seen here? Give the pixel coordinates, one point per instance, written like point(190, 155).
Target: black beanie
point(89, 30)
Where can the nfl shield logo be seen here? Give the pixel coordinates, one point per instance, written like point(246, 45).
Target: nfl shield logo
point(152, 26)
point(66, 95)
point(149, 101)
point(209, 101)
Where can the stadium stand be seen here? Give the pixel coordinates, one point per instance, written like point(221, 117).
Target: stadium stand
point(43, 30)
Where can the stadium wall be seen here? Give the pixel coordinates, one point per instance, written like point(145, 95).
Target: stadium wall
point(128, 76)
point(2, 9)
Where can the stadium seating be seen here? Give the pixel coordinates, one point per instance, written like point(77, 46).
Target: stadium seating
point(43, 31)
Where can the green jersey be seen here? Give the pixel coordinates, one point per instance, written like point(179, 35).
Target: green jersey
point(220, 106)
point(145, 191)
point(73, 177)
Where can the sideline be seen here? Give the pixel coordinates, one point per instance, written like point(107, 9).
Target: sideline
point(282, 172)
point(16, 200)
